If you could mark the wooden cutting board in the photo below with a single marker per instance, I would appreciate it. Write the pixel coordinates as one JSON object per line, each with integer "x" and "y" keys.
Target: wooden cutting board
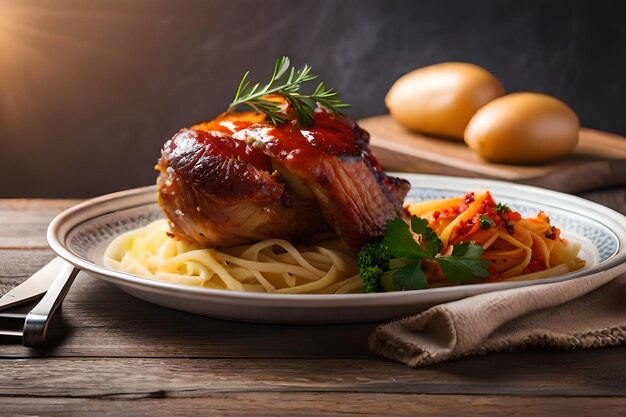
{"x": 599, "y": 160}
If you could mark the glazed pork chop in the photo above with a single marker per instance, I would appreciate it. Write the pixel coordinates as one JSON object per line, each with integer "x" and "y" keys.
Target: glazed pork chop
{"x": 237, "y": 179}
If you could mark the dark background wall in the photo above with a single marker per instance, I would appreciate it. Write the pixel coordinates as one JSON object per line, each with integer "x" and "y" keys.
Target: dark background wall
{"x": 90, "y": 90}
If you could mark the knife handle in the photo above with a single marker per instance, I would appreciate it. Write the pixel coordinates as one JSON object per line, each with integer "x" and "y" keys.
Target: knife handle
{"x": 36, "y": 323}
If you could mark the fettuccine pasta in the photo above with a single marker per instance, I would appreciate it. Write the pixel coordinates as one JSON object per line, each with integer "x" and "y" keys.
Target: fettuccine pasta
{"x": 272, "y": 266}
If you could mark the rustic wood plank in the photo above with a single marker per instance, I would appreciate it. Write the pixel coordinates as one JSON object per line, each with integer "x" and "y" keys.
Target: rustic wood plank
{"x": 222, "y": 339}
{"x": 110, "y": 377}
{"x": 24, "y": 222}
{"x": 101, "y": 321}
{"x": 17, "y": 265}
{"x": 316, "y": 404}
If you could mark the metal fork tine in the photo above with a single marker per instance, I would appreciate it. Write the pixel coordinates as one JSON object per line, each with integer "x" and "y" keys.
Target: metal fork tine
{"x": 12, "y": 324}
{"x": 32, "y": 327}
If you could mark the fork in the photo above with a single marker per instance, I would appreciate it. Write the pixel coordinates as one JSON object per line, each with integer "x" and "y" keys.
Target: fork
{"x": 33, "y": 327}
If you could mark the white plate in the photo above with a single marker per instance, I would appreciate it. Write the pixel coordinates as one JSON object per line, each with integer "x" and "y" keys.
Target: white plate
{"x": 81, "y": 233}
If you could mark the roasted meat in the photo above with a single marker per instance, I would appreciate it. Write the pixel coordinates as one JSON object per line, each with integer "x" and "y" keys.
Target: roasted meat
{"x": 237, "y": 179}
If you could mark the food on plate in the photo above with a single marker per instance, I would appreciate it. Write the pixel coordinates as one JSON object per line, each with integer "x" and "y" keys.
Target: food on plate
{"x": 523, "y": 128}
{"x": 459, "y": 240}
{"x": 463, "y": 240}
{"x": 441, "y": 99}
{"x": 294, "y": 169}
{"x": 271, "y": 265}
{"x": 288, "y": 198}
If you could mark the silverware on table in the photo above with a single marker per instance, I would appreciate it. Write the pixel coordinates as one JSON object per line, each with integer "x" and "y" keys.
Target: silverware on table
{"x": 54, "y": 280}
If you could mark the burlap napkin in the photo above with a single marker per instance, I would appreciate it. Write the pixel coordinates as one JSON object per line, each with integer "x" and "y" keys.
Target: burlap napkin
{"x": 576, "y": 314}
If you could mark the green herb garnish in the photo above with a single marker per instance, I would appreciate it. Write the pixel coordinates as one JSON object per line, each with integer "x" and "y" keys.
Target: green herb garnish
{"x": 286, "y": 82}
{"x": 502, "y": 208}
{"x": 486, "y": 222}
{"x": 397, "y": 262}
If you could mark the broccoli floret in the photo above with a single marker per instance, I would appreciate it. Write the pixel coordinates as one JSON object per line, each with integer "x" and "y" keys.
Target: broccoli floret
{"x": 373, "y": 260}
{"x": 370, "y": 275}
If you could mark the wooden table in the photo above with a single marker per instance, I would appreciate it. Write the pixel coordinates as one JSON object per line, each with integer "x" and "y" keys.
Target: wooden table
{"x": 117, "y": 355}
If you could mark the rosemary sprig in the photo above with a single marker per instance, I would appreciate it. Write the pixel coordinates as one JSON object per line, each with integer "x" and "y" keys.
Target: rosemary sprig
{"x": 286, "y": 82}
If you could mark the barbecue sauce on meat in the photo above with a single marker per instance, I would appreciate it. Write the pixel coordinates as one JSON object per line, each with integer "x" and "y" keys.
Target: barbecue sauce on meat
{"x": 328, "y": 135}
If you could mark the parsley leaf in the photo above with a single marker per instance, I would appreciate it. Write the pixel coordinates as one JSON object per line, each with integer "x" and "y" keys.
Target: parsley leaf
{"x": 410, "y": 277}
{"x": 470, "y": 250}
{"x": 400, "y": 241}
{"x": 420, "y": 226}
{"x": 464, "y": 263}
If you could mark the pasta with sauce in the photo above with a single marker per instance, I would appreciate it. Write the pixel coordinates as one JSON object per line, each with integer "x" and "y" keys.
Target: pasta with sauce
{"x": 517, "y": 248}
